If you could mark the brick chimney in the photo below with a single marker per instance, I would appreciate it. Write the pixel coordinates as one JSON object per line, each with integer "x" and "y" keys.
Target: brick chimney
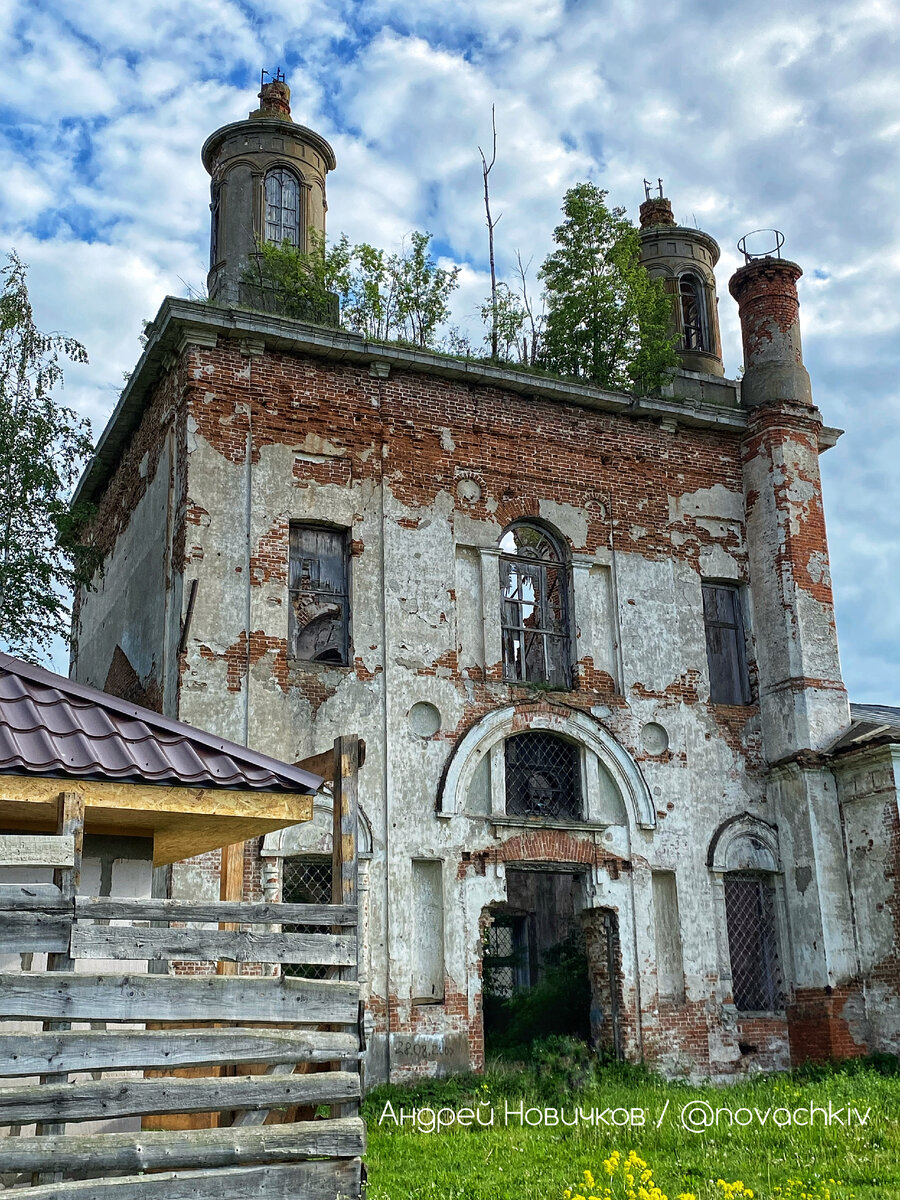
{"x": 766, "y": 292}
{"x": 274, "y": 101}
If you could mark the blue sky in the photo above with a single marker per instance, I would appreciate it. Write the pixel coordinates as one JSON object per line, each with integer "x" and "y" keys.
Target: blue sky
{"x": 754, "y": 113}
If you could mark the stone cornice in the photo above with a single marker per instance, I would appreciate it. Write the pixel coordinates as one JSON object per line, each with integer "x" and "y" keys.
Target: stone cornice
{"x": 180, "y": 323}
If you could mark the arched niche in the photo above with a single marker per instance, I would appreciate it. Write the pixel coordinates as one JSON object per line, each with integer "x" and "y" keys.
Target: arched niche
{"x": 313, "y": 837}
{"x": 744, "y": 843}
{"x": 616, "y": 790}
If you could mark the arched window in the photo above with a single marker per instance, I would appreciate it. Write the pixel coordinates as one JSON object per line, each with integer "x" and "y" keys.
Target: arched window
{"x": 282, "y": 207}
{"x": 690, "y": 293}
{"x": 215, "y": 208}
{"x": 543, "y": 777}
{"x": 535, "y": 607}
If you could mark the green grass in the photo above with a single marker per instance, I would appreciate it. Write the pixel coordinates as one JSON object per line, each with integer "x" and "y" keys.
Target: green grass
{"x": 499, "y": 1161}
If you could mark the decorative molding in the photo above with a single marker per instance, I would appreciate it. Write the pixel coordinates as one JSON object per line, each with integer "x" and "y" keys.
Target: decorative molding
{"x": 503, "y": 722}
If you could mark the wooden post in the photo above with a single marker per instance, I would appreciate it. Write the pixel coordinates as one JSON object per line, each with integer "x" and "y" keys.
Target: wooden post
{"x": 69, "y": 823}
{"x": 344, "y": 862}
{"x": 344, "y": 877}
{"x": 231, "y": 887}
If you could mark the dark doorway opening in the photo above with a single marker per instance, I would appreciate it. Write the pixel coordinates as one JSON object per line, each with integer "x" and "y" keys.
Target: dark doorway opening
{"x": 535, "y": 973}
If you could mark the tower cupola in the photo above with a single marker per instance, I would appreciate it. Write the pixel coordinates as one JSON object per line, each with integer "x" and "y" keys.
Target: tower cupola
{"x": 268, "y": 185}
{"x": 685, "y": 259}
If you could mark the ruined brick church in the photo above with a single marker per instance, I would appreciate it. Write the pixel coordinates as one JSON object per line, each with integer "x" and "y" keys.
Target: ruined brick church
{"x": 588, "y": 638}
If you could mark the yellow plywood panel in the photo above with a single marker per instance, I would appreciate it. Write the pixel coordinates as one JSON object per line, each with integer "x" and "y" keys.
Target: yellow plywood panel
{"x": 182, "y": 821}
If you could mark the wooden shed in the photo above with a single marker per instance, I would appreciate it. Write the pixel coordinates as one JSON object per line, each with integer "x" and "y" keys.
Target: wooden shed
{"x": 117, "y": 1004}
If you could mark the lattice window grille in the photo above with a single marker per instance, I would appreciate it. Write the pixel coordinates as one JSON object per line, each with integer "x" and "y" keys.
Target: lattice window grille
{"x": 543, "y": 777}
{"x": 756, "y": 978}
{"x": 306, "y": 879}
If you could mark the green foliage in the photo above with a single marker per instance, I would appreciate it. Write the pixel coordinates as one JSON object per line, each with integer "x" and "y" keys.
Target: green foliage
{"x": 558, "y": 1004}
{"x": 607, "y": 321}
{"x": 510, "y": 317}
{"x": 402, "y": 296}
{"x": 42, "y": 449}
{"x": 301, "y": 284}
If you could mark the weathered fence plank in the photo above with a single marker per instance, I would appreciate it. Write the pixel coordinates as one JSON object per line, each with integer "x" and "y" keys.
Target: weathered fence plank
{"x": 105, "y": 1098}
{"x": 33, "y": 897}
{"x": 124, "y": 1152}
{"x": 34, "y": 932}
{"x": 132, "y": 1049}
{"x": 37, "y": 850}
{"x": 79, "y": 997}
{"x": 105, "y": 908}
{"x": 205, "y": 945}
{"x": 297, "y": 1181}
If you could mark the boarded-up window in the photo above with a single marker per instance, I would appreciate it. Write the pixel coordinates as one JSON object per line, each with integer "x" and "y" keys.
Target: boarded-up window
{"x": 669, "y": 966}
{"x": 725, "y": 644}
{"x": 535, "y": 610}
{"x": 427, "y": 910}
{"x": 543, "y": 777}
{"x": 319, "y": 621}
{"x": 752, "y": 944}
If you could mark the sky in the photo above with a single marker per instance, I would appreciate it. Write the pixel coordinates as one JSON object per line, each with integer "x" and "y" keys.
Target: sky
{"x": 755, "y": 114}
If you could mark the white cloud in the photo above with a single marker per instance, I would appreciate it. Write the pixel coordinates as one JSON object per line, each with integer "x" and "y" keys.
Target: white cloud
{"x": 753, "y": 116}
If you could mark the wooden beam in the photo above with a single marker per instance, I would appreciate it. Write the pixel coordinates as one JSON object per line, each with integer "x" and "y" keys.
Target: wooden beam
{"x": 25, "y": 1054}
{"x": 69, "y": 827}
{"x": 231, "y": 888}
{"x": 36, "y": 850}
{"x": 311, "y": 1181}
{"x": 344, "y": 874}
{"x": 196, "y": 1148}
{"x": 248, "y": 913}
{"x": 78, "y": 997}
{"x": 36, "y": 932}
{"x": 229, "y": 945}
{"x": 90, "y": 1100}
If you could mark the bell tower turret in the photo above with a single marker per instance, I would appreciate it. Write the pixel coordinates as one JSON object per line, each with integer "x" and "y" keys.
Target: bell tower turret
{"x": 685, "y": 259}
{"x": 268, "y": 185}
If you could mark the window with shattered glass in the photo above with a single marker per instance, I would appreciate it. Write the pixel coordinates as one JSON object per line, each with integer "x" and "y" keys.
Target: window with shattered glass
{"x": 752, "y": 944}
{"x": 282, "y": 207}
{"x": 691, "y": 313}
{"x": 319, "y": 619}
{"x": 543, "y": 777}
{"x": 534, "y": 582}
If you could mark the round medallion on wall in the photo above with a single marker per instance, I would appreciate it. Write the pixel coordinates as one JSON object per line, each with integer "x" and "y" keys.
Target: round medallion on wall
{"x": 468, "y": 490}
{"x": 654, "y": 738}
{"x": 424, "y": 719}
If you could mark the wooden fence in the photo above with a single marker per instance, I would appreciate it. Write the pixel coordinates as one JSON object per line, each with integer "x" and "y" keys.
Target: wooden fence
{"x": 263, "y": 1053}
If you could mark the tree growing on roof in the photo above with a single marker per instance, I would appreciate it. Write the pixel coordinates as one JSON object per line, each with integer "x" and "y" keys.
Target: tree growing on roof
{"x": 608, "y": 322}
{"x": 42, "y": 449}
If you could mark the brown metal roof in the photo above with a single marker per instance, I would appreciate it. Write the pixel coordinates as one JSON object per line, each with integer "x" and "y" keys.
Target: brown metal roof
{"x": 50, "y": 725}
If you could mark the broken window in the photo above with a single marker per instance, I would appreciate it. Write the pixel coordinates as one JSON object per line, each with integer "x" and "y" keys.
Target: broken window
{"x": 691, "y": 296}
{"x": 319, "y": 621}
{"x": 305, "y": 879}
{"x": 728, "y": 682}
{"x": 282, "y": 207}
{"x": 752, "y": 944}
{"x": 543, "y": 777}
{"x": 505, "y": 955}
{"x": 535, "y": 617}
{"x": 215, "y": 206}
